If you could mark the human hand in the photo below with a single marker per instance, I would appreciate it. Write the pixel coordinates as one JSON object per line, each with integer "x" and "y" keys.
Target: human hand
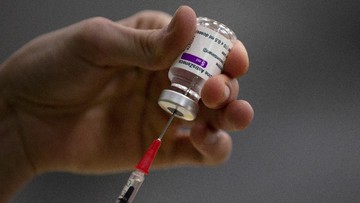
{"x": 84, "y": 98}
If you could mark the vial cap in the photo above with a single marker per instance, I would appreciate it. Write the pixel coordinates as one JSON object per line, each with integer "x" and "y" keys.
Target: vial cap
{"x": 185, "y": 107}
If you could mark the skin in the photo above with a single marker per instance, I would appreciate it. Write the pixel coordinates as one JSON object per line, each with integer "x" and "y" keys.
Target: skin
{"x": 83, "y": 99}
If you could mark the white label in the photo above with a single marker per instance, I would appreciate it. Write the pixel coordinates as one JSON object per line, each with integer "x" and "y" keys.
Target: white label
{"x": 205, "y": 55}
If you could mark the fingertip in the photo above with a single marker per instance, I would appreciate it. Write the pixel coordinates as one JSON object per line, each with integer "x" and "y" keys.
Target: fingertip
{"x": 181, "y": 28}
{"x": 218, "y": 91}
{"x": 175, "y": 37}
{"x": 214, "y": 92}
{"x": 187, "y": 14}
{"x": 238, "y": 115}
{"x": 237, "y": 62}
{"x": 215, "y": 145}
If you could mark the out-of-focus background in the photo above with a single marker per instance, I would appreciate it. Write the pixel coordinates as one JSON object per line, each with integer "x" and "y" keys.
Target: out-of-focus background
{"x": 303, "y": 82}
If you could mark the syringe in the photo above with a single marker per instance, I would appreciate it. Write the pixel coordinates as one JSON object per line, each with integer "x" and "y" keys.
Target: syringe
{"x": 137, "y": 177}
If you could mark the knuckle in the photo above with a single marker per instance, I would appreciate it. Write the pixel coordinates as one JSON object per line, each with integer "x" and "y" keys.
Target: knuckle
{"x": 150, "y": 47}
{"x": 146, "y": 46}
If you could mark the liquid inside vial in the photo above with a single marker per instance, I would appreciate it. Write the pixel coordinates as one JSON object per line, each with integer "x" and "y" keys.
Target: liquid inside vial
{"x": 186, "y": 82}
{"x": 203, "y": 58}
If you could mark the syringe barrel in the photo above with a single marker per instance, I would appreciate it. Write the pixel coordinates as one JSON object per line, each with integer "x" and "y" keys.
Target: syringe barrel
{"x": 132, "y": 186}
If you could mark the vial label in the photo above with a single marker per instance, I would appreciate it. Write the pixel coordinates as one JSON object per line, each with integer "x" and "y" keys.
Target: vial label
{"x": 206, "y": 54}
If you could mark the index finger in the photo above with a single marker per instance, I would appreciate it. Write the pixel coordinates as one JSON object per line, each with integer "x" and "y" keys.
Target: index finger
{"x": 237, "y": 62}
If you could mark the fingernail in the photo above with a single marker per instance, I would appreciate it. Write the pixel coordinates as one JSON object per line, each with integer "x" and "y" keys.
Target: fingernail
{"x": 211, "y": 138}
{"x": 226, "y": 92}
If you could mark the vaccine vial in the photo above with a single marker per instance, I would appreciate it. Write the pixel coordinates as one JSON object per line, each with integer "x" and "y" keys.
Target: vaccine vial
{"x": 203, "y": 58}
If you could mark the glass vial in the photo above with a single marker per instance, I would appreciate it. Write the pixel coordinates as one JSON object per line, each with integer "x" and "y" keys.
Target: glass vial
{"x": 203, "y": 58}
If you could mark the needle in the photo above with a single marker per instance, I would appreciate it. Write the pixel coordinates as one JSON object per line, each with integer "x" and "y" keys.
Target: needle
{"x": 167, "y": 125}
{"x": 137, "y": 177}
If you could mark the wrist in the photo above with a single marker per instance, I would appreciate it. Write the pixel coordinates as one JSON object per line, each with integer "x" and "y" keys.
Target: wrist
{"x": 15, "y": 170}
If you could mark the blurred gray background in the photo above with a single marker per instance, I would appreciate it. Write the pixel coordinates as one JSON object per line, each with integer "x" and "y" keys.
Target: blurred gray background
{"x": 304, "y": 84}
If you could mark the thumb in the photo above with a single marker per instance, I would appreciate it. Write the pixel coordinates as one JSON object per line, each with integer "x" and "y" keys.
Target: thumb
{"x": 107, "y": 43}
{"x": 178, "y": 34}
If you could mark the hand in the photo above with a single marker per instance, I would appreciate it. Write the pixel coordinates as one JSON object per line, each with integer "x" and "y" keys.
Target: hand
{"x": 84, "y": 98}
